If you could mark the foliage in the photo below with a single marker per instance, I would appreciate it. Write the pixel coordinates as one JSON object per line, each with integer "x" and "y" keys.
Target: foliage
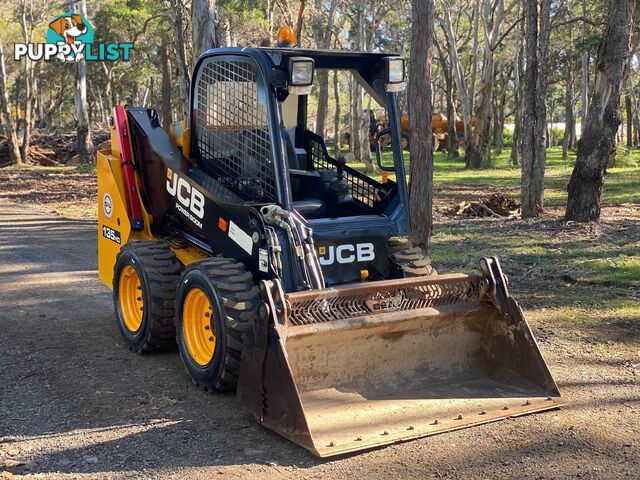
{"x": 507, "y": 138}
{"x": 557, "y": 136}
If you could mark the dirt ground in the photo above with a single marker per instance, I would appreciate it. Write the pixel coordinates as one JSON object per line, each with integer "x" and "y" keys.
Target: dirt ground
{"x": 74, "y": 403}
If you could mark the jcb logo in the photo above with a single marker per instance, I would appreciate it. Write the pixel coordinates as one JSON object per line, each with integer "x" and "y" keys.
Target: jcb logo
{"x": 361, "y": 252}
{"x": 188, "y": 197}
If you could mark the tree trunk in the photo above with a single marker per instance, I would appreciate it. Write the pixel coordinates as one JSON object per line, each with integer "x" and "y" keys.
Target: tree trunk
{"x": 336, "y": 113}
{"x": 629, "y": 113}
{"x": 38, "y": 107}
{"x": 603, "y": 117}
{"x": 165, "y": 87}
{"x": 474, "y": 53}
{"x": 498, "y": 122}
{"x": 28, "y": 90}
{"x": 356, "y": 115}
{"x": 299, "y": 21}
{"x": 421, "y": 191}
{"x": 477, "y": 155}
{"x": 447, "y": 73}
{"x": 323, "y": 99}
{"x": 518, "y": 90}
{"x": 569, "y": 114}
{"x": 180, "y": 57}
{"x": 360, "y": 120}
{"x": 5, "y": 114}
{"x": 534, "y": 107}
{"x": 83, "y": 132}
{"x": 636, "y": 121}
{"x": 465, "y": 100}
{"x": 551, "y": 139}
{"x": 322, "y": 34}
{"x": 584, "y": 57}
{"x": 452, "y": 133}
{"x": 203, "y": 27}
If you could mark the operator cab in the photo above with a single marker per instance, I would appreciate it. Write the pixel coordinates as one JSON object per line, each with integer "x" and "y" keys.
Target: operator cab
{"x": 252, "y": 131}
{"x": 323, "y": 185}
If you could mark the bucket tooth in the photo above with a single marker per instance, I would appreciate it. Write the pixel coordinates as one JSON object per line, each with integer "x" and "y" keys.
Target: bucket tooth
{"x": 358, "y": 366}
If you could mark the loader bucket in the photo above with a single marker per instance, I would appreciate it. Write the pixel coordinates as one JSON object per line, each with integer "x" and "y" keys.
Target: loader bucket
{"x": 350, "y": 368}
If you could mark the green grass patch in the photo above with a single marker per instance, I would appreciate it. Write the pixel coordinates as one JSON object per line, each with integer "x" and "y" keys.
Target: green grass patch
{"x": 622, "y": 183}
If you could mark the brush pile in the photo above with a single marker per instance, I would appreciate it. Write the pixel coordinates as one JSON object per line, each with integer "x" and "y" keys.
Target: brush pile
{"x": 50, "y": 148}
{"x": 496, "y": 205}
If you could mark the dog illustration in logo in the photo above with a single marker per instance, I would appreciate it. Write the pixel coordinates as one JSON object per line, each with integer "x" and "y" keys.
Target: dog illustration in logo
{"x": 69, "y": 27}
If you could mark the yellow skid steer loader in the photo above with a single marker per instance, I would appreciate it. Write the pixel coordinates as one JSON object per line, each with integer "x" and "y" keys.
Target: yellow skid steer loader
{"x": 283, "y": 272}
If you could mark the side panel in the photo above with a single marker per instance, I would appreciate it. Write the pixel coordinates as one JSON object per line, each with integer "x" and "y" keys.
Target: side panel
{"x": 114, "y": 227}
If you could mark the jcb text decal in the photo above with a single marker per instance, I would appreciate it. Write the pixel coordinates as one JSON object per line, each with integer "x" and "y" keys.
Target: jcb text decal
{"x": 361, "y": 252}
{"x": 190, "y": 200}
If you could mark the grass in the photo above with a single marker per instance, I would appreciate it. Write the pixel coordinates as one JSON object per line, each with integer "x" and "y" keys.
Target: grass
{"x": 583, "y": 281}
{"x": 622, "y": 183}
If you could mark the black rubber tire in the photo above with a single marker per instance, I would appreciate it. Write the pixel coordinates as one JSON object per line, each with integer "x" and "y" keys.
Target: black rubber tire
{"x": 412, "y": 260}
{"x": 234, "y": 298}
{"x": 159, "y": 272}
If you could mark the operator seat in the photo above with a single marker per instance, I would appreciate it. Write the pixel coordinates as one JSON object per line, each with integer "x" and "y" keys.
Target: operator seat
{"x": 307, "y": 207}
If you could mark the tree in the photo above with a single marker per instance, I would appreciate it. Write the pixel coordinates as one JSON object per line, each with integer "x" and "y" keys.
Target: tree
{"x": 5, "y": 114}
{"x": 628, "y": 106}
{"x": 568, "y": 141}
{"x": 447, "y": 73}
{"x": 461, "y": 84}
{"x": 181, "y": 56}
{"x": 27, "y": 35}
{"x": 165, "y": 89}
{"x": 322, "y": 35}
{"x": 203, "y": 26}
{"x": 83, "y": 131}
{"x": 518, "y": 89}
{"x": 300, "y": 20}
{"x": 493, "y": 15}
{"x": 421, "y": 191}
{"x": 534, "y": 107}
{"x": 603, "y": 116}
{"x": 584, "y": 58}
{"x": 359, "y": 121}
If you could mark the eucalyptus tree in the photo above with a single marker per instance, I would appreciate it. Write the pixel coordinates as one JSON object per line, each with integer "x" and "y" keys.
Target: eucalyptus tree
{"x": 534, "y": 107}
{"x": 445, "y": 20}
{"x": 5, "y": 115}
{"x": 421, "y": 194}
{"x": 603, "y": 117}
{"x": 493, "y": 15}
{"x": 83, "y": 129}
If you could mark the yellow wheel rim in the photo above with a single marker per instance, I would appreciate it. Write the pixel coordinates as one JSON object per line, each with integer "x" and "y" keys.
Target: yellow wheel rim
{"x": 198, "y": 327}
{"x": 130, "y": 298}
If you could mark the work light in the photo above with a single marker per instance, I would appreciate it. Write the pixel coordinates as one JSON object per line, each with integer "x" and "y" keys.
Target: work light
{"x": 395, "y": 80}
{"x": 300, "y": 75}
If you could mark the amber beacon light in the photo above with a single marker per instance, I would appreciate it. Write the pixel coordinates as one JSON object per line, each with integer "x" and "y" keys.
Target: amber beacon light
{"x": 286, "y": 37}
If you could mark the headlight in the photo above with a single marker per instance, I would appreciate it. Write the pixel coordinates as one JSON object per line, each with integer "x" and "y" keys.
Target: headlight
{"x": 300, "y": 71}
{"x": 395, "y": 80}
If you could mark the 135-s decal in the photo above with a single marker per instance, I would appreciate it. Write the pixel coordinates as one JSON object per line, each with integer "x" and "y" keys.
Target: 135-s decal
{"x": 111, "y": 234}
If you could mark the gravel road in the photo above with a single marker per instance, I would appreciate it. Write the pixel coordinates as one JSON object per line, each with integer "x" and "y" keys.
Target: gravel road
{"x": 74, "y": 403}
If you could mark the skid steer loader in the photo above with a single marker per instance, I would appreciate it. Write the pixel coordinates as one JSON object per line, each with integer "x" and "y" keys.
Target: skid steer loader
{"x": 282, "y": 271}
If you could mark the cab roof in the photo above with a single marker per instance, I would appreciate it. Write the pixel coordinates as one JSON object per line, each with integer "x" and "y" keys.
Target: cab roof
{"x": 327, "y": 58}
{"x": 367, "y": 67}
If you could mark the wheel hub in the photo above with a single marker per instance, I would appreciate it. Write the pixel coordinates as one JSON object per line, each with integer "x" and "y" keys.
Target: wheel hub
{"x": 198, "y": 327}
{"x": 130, "y": 298}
